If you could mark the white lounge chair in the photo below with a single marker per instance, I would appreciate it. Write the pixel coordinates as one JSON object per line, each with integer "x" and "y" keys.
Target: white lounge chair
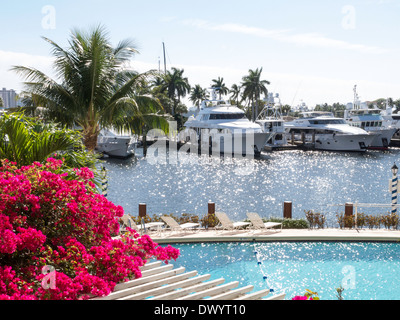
{"x": 258, "y": 224}
{"x": 175, "y": 226}
{"x": 227, "y": 224}
{"x": 127, "y": 221}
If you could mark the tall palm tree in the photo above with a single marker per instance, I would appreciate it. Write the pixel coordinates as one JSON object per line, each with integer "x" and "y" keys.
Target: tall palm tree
{"x": 253, "y": 87}
{"x": 235, "y": 93}
{"x": 95, "y": 89}
{"x": 219, "y": 86}
{"x": 198, "y": 94}
{"x": 175, "y": 85}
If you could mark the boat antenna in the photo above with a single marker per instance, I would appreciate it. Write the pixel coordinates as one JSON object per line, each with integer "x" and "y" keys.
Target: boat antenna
{"x": 297, "y": 90}
{"x": 356, "y": 97}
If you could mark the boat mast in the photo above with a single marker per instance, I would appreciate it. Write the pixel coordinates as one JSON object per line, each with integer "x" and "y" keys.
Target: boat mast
{"x": 165, "y": 61}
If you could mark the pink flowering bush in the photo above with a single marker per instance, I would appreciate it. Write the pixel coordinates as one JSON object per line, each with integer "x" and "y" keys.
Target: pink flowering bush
{"x": 49, "y": 217}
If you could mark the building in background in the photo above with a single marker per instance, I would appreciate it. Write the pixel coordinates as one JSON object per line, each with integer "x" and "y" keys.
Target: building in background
{"x": 9, "y": 98}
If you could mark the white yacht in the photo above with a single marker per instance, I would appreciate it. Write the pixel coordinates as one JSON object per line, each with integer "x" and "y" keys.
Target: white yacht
{"x": 393, "y": 119}
{"x": 371, "y": 121}
{"x": 219, "y": 121}
{"x": 114, "y": 145}
{"x": 325, "y": 132}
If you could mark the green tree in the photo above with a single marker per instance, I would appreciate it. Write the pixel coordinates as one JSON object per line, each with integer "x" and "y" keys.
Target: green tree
{"x": 95, "y": 90}
{"x": 175, "y": 85}
{"x": 220, "y": 86}
{"x": 197, "y": 95}
{"x": 24, "y": 140}
{"x": 253, "y": 87}
{"x": 286, "y": 109}
{"x": 235, "y": 93}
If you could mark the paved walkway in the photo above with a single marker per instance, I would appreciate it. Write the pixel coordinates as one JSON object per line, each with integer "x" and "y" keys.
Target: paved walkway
{"x": 278, "y": 235}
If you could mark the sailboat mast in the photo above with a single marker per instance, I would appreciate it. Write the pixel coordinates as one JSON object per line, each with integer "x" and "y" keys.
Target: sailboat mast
{"x": 165, "y": 60}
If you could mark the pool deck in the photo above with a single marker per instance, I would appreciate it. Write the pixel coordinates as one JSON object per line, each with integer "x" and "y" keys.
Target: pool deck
{"x": 167, "y": 237}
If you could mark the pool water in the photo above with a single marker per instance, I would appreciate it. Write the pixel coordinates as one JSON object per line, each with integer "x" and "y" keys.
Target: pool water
{"x": 366, "y": 270}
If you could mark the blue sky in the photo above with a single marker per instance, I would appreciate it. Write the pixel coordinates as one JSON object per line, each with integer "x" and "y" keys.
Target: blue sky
{"x": 311, "y": 51}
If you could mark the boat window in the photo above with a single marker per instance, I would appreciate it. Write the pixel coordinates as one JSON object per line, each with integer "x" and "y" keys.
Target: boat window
{"x": 227, "y": 116}
{"x": 328, "y": 121}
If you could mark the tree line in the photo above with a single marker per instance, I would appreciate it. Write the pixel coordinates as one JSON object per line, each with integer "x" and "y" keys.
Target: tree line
{"x": 95, "y": 90}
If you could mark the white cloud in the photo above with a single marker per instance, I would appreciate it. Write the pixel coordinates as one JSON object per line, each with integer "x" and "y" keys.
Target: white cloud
{"x": 8, "y": 59}
{"x": 284, "y": 35}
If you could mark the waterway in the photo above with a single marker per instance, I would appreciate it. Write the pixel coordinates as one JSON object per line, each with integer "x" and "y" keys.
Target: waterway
{"x": 311, "y": 180}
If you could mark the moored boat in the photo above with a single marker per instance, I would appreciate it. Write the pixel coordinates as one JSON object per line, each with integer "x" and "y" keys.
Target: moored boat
{"x": 114, "y": 145}
{"x": 323, "y": 131}
{"x": 225, "y": 129}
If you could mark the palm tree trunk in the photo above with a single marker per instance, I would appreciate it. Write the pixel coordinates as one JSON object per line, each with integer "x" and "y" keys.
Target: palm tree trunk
{"x": 144, "y": 141}
{"x": 252, "y": 110}
{"x": 90, "y": 136}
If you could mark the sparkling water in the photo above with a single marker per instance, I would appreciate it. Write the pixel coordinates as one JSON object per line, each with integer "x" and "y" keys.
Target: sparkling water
{"x": 365, "y": 270}
{"x": 312, "y": 180}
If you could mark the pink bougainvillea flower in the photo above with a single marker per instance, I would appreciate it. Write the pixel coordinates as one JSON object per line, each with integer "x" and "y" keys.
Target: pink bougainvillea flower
{"x": 53, "y": 218}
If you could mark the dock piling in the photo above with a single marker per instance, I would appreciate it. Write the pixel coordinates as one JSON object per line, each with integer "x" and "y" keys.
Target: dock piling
{"x": 211, "y": 208}
{"x": 287, "y": 210}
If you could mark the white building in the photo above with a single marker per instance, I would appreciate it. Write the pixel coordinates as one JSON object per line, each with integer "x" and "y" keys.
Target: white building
{"x": 9, "y": 98}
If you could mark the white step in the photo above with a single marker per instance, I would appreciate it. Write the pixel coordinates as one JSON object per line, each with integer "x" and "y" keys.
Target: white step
{"x": 166, "y": 289}
{"x": 186, "y": 291}
{"x": 210, "y": 292}
{"x": 158, "y": 283}
{"x": 232, "y": 294}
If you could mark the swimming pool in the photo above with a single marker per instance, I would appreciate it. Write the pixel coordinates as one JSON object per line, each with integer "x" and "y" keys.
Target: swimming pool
{"x": 366, "y": 270}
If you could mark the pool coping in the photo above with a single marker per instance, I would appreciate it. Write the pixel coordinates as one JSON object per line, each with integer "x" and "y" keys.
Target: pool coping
{"x": 363, "y": 235}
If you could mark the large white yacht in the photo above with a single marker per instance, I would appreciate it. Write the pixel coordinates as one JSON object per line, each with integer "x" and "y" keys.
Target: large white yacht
{"x": 218, "y": 122}
{"x": 371, "y": 121}
{"x": 325, "y": 132}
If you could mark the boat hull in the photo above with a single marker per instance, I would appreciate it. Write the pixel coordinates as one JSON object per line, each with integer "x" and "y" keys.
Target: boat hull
{"x": 382, "y": 138}
{"x": 118, "y": 147}
{"x": 335, "y": 142}
{"x": 246, "y": 143}
{"x": 339, "y": 142}
{"x": 243, "y": 144}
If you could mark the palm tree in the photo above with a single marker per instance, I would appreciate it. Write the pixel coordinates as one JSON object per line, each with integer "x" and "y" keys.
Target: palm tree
{"x": 235, "y": 93}
{"x": 175, "y": 86}
{"x": 95, "y": 89}
{"x": 220, "y": 86}
{"x": 198, "y": 94}
{"x": 24, "y": 141}
{"x": 253, "y": 87}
